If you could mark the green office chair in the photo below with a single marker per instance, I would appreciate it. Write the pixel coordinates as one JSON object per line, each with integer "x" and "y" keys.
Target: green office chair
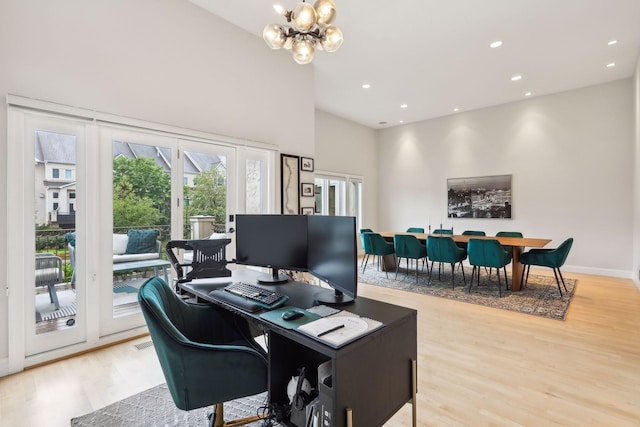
{"x": 379, "y": 248}
{"x": 552, "y": 258}
{"x": 366, "y": 247}
{"x": 408, "y": 247}
{"x": 206, "y": 353}
{"x": 488, "y": 253}
{"x": 444, "y": 249}
{"x": 415, "y": 230}
{"x": 473, "y": 233}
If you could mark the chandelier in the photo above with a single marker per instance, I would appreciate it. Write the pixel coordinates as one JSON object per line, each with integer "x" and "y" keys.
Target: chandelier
{"x": 310, "y": 29}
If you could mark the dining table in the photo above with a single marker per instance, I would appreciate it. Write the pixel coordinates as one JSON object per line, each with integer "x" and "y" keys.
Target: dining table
{"x": 517, "y": 245}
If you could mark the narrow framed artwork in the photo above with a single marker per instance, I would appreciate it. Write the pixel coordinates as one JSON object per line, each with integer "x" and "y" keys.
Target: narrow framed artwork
{"x": 289, "y": 182}
{"x": 307, "y": 189}
{"x": 307, "y": 210}
{"x": 306, "y": 164}
{"x": 479, "y": 197}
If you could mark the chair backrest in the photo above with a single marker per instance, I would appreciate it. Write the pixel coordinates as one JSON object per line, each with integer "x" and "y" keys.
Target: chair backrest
{"x": 509, "y": 234}
{"x": 364, "y": 239}
{"x": 444, "y": 249}
{"x": 415, "y": 230}
{"x": 473, "y": 233}
{"x": 562, "y": 252}
{"x": 407, "y": 246}
{"x": 199, "y": 372}
{"x": 442, "y": 231}
{"x": 208, "y": 258}
{"x": 487, "y": 253}
{"x": 379, "y": 246}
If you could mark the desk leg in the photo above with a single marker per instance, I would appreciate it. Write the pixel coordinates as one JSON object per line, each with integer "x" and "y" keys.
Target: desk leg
{"x": 349, "y": 417}
{"x": 414, "y": 390}
{"x": 516, "y": 268}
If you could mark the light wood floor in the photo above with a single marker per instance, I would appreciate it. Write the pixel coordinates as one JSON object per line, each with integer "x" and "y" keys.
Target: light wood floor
{"x": 477, "y": 366}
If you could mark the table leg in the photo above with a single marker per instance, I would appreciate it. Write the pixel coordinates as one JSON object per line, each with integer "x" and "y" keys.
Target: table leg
{"x": 389, "y": 263}
{"x": 516, "y": 268}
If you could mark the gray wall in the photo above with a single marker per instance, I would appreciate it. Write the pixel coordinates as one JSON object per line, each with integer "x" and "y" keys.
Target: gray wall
{"x": 167, "y": 61}
{"x": 571, "y": 156}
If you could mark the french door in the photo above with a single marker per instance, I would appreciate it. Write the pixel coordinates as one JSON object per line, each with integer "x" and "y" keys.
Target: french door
{"x": 49, "y": 204}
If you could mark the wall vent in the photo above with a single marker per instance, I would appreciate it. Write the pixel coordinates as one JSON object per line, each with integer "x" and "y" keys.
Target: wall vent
{"x": 144, "y": 345}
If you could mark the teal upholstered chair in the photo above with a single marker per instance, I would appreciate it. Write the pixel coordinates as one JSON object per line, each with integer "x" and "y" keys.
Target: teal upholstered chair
{"x": 207, "y": 354}
{"x": 444, "y": 249}
{"x": 379, "y": 248}
{"x": 442, "y": 231}
{"x": 415, "y": 230}
{"x": 488, "y": 253}
{"x": 366, "y": 247}
{"x": 473, "y": 233}
{"x": 409, "y": 247}
{"x": 551, "y": 258}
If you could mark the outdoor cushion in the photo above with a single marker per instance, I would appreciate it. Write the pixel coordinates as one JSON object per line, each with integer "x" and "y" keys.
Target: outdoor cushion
{"x": 120, "y": 242}
{"x": 142, "y": 241}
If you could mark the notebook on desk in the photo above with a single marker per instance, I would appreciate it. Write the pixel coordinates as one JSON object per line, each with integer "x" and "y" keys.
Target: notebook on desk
{"x": 340, "y": 329}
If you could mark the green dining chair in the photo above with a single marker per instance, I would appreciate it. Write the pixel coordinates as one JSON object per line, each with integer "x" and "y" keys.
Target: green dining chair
{"x": 443, "y": 249}
{"x": 379, "y": 248}
{"x": 473, "y": 233}
{"x": 488, "y": 253}
{"x": 442, "y": 231}
{"x": 409, "y": 247}
{"x": 207, "y": 354}
{"x": 551, "y": 258}
{"x": 415, "y": 230}
{"x": 366, "y": 247}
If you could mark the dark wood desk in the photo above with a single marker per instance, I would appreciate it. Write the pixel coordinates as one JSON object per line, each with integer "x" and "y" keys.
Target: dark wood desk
{"x": 372, "y": 377}
{"x": 517, "y": 243}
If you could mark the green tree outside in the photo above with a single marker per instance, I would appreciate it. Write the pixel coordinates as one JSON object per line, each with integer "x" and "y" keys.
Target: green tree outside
{"x": 208, "y": 195}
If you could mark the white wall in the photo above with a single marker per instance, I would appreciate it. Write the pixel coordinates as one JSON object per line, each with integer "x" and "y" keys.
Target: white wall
{"x": 572, "y": 160}
{"x": 346, "y": 147}
{"x": 168, "y": 62}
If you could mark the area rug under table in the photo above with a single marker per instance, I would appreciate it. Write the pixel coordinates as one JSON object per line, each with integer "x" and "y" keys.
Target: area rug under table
{"x": 540, "y": 297}
{"x": 155, "y": 408}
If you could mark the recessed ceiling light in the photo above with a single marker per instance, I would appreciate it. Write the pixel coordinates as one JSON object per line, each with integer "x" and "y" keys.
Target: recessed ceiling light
{"x": 401, "y": 121}
{"x": 495, "y": 44}
{"x": 456, "y": 109}
{"x": 404, "y": 106}
{"x": 382, "y": 123}
{"x": 611, "y": 64}
{"x": 366, "y": 86}
{"x": 516, "y": 78}
{"x": 528, "y": 94}
{"x": 612, "y": 42}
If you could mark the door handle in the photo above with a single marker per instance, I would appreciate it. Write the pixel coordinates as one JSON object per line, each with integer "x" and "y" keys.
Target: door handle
{"x": 232, "y": 230}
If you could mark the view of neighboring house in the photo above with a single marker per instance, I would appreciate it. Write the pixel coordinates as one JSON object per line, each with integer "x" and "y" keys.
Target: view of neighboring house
{"x": 55, "y": 177}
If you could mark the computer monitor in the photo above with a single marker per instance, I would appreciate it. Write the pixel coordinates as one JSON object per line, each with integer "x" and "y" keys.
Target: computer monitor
{"x": 332, "y": 256}
{"x": 273, "y": 241}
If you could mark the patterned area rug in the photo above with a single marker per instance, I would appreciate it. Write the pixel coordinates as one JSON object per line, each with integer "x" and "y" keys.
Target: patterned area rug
{"x": 540, "y": 297}
{"x": 155, "y": 408}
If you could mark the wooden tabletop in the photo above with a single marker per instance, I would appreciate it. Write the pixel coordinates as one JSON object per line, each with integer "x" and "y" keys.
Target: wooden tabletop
{"x": 509, "y": 241}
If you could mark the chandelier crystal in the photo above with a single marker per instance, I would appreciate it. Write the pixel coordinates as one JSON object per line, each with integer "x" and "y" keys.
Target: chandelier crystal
{"x": 310, "y": 29}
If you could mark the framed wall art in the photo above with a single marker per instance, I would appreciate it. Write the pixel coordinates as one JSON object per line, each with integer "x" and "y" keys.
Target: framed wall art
{"x": 307, "y": 189}
{"x": 290, "y": 183}
{"x": 479, "y": 197}
{"x": 306, "y": 164}
{"x": 307, "y": 210}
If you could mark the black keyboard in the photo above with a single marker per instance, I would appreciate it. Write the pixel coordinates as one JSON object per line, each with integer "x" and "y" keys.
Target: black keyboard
{"x": 263, "y": 297}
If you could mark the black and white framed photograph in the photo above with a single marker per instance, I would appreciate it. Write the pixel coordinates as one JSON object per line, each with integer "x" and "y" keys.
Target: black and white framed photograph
{"x": 307, "y": 210}
{"x": 289, "y": 181}
{"x": 307, "y": 189}
{"x": 479, "y": 197}
{"x": 306, "y": 164}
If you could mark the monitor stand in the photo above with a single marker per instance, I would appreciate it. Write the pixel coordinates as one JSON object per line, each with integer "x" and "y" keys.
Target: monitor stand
{"x": 333, "y": 298}
{"x": 274, "y": 278}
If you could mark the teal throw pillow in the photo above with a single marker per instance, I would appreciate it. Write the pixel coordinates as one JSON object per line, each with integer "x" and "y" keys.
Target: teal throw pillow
{"x": 142, "y": 241}
{"x": 70, "y": 238}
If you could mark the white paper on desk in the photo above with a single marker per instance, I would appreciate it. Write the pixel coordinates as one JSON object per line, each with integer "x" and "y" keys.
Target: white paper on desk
{"x": 351, "y": 327}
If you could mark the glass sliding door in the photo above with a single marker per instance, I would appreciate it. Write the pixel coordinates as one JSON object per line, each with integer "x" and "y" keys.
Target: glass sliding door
{"x": 339, "y": 195}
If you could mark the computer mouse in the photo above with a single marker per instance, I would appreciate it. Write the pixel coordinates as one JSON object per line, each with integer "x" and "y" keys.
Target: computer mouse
{"x": 292, "y": 314}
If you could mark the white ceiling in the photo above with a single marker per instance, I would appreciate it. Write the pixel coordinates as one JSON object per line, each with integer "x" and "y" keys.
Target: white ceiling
{"x": 434, "y": 55}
